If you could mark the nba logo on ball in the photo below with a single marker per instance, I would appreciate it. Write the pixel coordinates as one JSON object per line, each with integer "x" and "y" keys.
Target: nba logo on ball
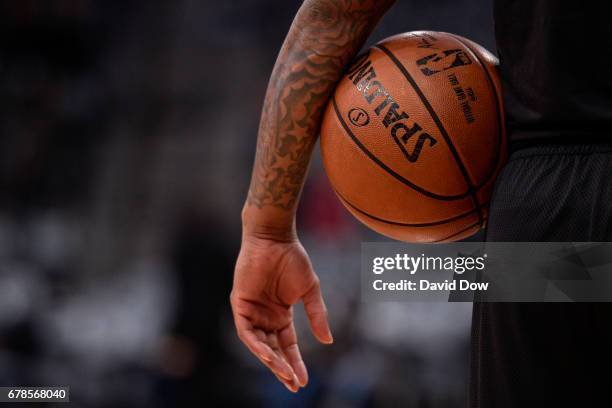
{"x": 413, "y": 140}
{"x": 442, "y": 61}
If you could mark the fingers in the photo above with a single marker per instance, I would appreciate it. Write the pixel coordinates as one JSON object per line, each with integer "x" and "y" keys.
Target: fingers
{"x": 273, "y": 341}
{"x": 287, "y": 340}
{"x": 266, "y": 348}
{"x": 317, "y": 314}
{"x": 271, "y": 358}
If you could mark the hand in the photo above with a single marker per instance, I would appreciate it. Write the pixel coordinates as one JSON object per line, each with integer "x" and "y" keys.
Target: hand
{"x": 271, "y": 277}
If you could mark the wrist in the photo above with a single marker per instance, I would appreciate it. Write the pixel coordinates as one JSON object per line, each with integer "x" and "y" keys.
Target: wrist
{"x": 268, "y": 223}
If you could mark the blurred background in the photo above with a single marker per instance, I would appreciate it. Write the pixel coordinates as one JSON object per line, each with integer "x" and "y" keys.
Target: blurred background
{"x": 127, "y": 134}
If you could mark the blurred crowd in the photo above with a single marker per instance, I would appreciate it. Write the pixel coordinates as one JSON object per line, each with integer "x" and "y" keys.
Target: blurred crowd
{"x": 127, "y": 134}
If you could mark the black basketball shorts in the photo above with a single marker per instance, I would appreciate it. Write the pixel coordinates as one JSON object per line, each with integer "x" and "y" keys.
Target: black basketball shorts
{"x": 547, "y": 354}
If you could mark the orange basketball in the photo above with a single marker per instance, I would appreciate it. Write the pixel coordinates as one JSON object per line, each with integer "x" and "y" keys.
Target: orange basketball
{"x": 413, "y": 138}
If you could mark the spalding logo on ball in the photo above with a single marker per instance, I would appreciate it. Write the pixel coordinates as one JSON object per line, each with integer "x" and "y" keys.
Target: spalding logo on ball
{"x": 413, "y": 138}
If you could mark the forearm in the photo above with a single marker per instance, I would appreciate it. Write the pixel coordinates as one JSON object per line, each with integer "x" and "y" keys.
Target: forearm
{"x": 323, "y": 38}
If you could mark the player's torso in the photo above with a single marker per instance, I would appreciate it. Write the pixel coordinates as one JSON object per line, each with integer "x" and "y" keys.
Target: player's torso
{"x": 556, "y": 64}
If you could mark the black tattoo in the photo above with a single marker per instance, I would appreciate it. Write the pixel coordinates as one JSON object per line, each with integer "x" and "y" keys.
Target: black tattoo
{"x": 325, "y": 35}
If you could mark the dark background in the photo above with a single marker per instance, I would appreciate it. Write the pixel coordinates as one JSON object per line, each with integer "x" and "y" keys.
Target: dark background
{"x": 127, "y": 133}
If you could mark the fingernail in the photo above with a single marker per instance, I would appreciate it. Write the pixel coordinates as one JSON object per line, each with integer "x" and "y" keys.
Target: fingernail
{"x": 303, "y": 383}
{"x": 290, "y": 389}
{"x": 265, "y": 358}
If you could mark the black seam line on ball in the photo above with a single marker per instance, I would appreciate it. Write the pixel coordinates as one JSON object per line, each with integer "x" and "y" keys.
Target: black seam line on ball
{"x": 500, "y": 117}
{"x": 388, "y": 169}
{"x": 402, "y": 224}
{"x": 436, "y": 119}
{"x": 458, "y": 232}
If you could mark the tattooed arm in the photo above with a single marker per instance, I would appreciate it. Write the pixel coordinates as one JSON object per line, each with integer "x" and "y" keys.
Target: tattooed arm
{"x": 323, "y": 38}
{"x": 273, "y": 271}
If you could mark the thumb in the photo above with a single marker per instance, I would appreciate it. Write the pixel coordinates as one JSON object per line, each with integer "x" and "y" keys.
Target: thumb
{"x": 317, "y": 314}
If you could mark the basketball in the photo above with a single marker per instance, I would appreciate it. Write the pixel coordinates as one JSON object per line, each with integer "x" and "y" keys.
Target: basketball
{"x": 413, "y": 138}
